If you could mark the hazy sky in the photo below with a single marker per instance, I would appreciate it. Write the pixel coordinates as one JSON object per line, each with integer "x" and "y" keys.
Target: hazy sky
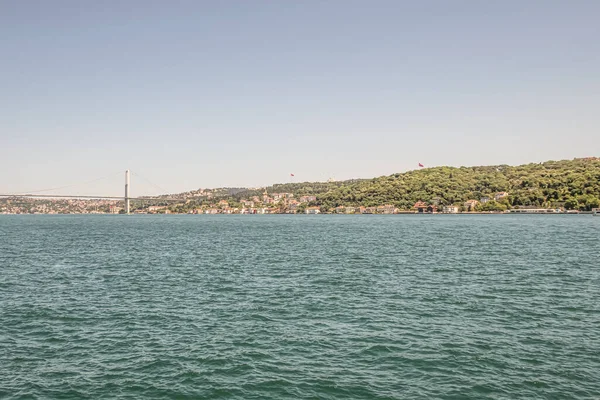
{"x": 242, "y": 93}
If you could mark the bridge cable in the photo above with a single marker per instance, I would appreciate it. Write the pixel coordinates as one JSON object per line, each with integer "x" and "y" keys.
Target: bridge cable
{"x": 164, "y": 191}
{"x": 68, "y": 186}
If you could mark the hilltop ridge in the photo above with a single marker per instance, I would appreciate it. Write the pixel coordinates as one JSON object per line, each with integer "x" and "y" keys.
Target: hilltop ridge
{"x": 572, "y": 184}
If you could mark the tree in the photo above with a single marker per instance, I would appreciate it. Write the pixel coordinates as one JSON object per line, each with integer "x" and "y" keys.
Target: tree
{"x": 571, "y": 204}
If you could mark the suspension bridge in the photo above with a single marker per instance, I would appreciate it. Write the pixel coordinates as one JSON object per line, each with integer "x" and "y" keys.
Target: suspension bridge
{"x": 126, "y": 198}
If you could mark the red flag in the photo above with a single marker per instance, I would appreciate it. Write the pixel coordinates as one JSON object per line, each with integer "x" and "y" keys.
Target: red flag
{"x": 291, "y": 174}
{"x": 421, "y": 165}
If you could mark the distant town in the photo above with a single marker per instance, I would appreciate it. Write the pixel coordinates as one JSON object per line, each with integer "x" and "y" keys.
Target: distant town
{"x": 552, "y": 187}
{"x": 275, "y": 203}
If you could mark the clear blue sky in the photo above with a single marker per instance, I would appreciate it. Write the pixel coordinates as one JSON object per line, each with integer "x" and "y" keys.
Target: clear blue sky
{"x": 242, "y": 93}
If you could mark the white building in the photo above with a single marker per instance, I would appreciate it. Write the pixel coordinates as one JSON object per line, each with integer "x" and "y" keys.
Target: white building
{"x": 451, "y": 209}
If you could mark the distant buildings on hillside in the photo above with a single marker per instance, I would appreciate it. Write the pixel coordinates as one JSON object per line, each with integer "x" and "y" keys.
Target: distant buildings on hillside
{"x": 276, "y": 203}
{"x": 501, "y": 195}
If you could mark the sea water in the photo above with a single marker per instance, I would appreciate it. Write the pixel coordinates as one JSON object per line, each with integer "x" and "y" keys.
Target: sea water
{"x": 288, "y": 307}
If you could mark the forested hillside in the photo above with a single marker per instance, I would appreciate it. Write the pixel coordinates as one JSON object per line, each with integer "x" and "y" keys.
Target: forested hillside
{"x": 298, "y": 189}
{"x": 574, "y": 184}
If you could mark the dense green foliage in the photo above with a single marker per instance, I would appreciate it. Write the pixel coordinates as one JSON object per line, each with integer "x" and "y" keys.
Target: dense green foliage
{"x": 574, "y": 184}
{"x": 298, "y": 189}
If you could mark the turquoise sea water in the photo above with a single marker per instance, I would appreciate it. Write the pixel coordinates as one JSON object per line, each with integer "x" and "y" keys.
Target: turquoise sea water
{"x": 286, "y": 307}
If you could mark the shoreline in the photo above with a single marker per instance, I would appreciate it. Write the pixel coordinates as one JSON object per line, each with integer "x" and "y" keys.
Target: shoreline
{"x": 399, "y": 213}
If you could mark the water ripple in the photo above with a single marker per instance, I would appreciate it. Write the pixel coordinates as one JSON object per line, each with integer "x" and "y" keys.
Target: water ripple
{"x": 286, "y": 307}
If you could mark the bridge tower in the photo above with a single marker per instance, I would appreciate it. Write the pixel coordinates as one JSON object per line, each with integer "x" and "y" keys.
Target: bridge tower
{"x": 127, "y": 182}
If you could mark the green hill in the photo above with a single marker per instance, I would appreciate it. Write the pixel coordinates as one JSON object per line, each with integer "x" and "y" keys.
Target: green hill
{"x": 574, "y": 184}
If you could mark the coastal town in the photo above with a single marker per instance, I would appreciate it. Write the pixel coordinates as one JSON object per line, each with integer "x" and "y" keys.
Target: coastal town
{"x": 551, "y": 187}
{"x": 275, "y": 203}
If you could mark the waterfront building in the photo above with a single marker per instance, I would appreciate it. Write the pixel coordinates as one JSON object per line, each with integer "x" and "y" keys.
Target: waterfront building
{"x": 451, "y": 209}
{"x": 386, "y": 209}
{"x": 422, "y": 207}
{"x": 470, "y": 205}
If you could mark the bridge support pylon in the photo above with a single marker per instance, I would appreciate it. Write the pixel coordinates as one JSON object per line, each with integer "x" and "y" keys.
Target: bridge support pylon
{"x": 127, "y": 182}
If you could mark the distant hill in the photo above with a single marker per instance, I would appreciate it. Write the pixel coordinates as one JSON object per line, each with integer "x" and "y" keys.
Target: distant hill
{"x": 573, "y": 184}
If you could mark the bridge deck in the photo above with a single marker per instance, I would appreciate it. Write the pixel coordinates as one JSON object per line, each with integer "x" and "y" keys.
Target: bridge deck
{"x": 58, "y": 196}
